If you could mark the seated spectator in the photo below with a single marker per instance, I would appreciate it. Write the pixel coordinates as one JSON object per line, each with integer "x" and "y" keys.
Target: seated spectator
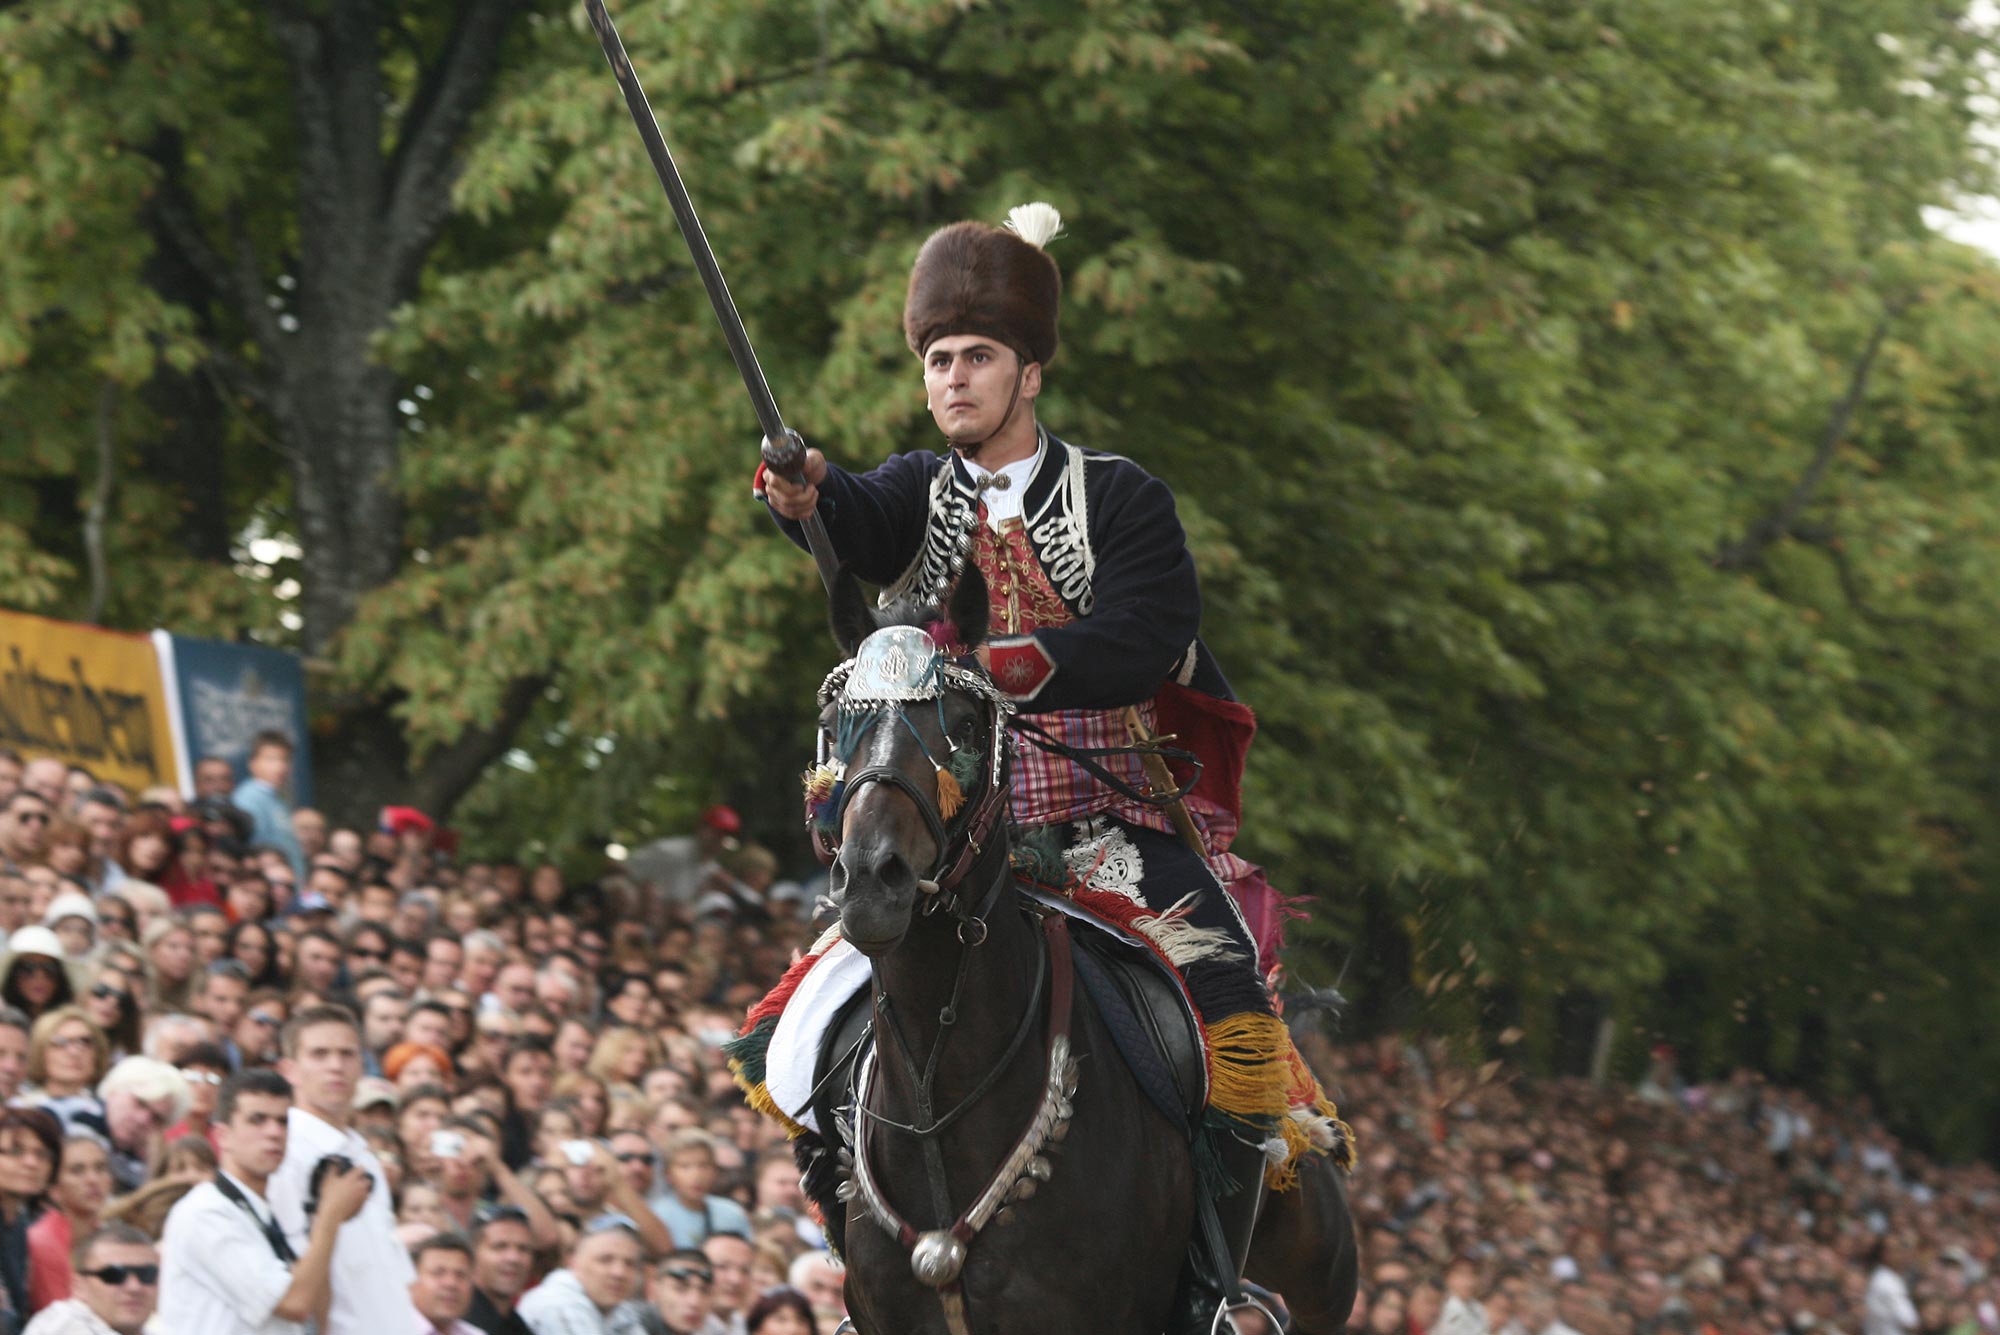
{"x": 34, "y": 980}
{"x": 679, "y": 1288}
{"x": 689, "y": 1207}
{"x": 503, "y": 1260}
{"x": 780, "y": 1312}
{"x": 442, "y": 1290}
{"x": 78, "y": 1193}
{"x": 117, "y": 1286}
{"x": 592, "y": 1294}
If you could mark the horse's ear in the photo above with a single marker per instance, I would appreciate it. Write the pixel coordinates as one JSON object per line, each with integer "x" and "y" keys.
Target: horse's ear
{"x": 848, "y": 612}
{"x": 969, "y": 609}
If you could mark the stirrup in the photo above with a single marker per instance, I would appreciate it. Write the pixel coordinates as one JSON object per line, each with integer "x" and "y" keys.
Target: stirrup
{"x": 847, "y": 1327}
{"x": 1225, "y": 1310}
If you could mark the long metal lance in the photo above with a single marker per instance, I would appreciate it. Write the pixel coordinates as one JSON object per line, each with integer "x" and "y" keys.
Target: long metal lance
{"x": 784, "y": 451}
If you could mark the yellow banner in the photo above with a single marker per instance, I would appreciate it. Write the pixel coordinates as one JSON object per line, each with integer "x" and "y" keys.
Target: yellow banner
{"x": 87, "y": 696}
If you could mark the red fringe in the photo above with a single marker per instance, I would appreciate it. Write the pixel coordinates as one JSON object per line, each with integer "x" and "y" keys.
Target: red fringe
{"x": 774, "y": 1000}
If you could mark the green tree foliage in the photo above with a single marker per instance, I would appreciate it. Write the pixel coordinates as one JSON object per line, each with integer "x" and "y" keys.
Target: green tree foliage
{"x": 1588, "y": 447}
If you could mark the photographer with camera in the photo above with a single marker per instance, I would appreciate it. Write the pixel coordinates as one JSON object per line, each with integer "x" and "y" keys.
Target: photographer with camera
{"x": 227, "y": 1267}
{"x": 372, "y": 1272}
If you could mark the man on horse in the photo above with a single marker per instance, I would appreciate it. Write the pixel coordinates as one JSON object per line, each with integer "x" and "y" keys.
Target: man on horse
{"x": 1095, "y": 617}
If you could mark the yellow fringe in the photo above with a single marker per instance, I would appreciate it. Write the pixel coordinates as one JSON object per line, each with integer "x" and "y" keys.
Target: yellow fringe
{"x": 950, "y": 796}
{"x": 1256, "y": 1074}
{"x": 1248, "y": 1076}
{"x": 760, "y": 1098}
{"x": 819, "y": 781}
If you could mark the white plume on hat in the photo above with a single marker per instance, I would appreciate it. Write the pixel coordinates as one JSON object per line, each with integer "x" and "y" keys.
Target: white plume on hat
{"x": 1036, "y": 223}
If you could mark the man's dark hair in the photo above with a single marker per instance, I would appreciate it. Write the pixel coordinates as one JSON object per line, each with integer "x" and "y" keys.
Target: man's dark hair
{"x": 189, "y": 914}
{"x": 524, "y": 1045}
{"x": 128, "y": 1234}
{"x": 102, "y": 797}
{"x": 443, "y": 934}
{"x": 208, "y": 1056}
{"x": 320, "y": 934}
{"x": 437, "y": 1007}
{"x": 256, "y": 1080}
{"x": 402, "y": 945}
{"x": 313, "y": 1016}
{"x": 266, "y": 739}
{"x": 9, "y": 753}
{"x": 12, "y": 1017}
{"x": 375, "y": 883}
{"x": 226, "y": 968}
{"x": 441, "y": 1242}
{"x": 361, "y": 929}
{"x": 19, "y": 794}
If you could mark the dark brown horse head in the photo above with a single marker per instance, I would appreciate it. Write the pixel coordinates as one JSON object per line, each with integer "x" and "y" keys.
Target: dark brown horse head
{"x": 910, "y": 734}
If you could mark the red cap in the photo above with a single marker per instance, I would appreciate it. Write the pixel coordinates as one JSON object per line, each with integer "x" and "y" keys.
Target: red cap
{"x": 722, "y": 819}
{"x": 401, "y": 820}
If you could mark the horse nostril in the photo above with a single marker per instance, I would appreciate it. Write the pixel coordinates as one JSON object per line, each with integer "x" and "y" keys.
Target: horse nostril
{"x": 836, "y": 883}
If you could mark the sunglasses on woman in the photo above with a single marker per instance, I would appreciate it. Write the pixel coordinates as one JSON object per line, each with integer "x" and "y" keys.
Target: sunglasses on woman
{"x": 105, "y": 991}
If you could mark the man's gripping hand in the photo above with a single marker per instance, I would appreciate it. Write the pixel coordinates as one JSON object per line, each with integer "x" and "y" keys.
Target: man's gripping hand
{"x": 343, "y": 1194}
{"x": 791, "y": 499}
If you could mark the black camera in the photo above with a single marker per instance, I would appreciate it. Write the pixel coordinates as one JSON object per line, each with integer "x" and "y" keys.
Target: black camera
{"x": 332, "y": 1163}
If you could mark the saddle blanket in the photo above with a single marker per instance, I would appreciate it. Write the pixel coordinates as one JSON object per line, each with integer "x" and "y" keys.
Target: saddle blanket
{"x": 829, "y": 976}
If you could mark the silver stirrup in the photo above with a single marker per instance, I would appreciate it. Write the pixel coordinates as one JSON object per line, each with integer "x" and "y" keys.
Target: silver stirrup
{"x": 1222, "y": 1320}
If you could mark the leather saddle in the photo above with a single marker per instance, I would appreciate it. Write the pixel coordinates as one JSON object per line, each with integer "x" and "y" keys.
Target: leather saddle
{"x": 1139, "y": 1004}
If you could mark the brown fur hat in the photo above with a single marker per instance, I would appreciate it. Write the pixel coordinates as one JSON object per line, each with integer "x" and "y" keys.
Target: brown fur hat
{"x": 974, "y": 278}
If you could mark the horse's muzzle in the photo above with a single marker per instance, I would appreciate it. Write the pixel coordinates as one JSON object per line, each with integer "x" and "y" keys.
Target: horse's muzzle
{"x": 875, "y": 889}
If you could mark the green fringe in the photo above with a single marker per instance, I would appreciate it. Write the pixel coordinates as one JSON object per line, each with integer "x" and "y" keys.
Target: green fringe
{"x": 965, "y": 766}
{"x": 1038, "y": 857}
{"x": 748, "y": 1051}
{"x": 1209, "y": 1165}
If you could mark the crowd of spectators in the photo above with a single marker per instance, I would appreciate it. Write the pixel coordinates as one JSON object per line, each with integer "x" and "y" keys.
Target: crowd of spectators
{"x": 228, "y": 1028}
{"x": 1495, "y": 1206}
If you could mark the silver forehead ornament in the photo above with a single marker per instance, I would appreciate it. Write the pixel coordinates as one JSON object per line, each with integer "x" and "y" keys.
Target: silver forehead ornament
{"x": 896, "y": 663}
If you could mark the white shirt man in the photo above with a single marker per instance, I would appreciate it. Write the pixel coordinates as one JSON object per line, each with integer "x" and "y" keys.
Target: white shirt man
{"x": 227, "y": 1266}
{"x": 372, "y": 1273}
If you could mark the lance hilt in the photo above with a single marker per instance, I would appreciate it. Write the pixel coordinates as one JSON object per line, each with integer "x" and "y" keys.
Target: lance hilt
{"x": 790, "y": 449}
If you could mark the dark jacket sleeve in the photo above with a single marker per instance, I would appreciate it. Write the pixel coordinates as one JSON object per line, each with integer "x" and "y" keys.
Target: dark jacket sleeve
{"x": 1148, "y": 601}
{"x": 875, "y": 520}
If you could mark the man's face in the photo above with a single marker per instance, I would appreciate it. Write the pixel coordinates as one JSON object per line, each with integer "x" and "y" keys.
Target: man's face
{"x": 319, "y": 964}
{"x": 428, "y": 1026}
{"x": 214, "y": 778}
{"x": 256, "y": 1033}
{"x": 970, "y": 381}
{"x": 377, "y": 904}
{"x": 443, "y": 1289}
{"x": 384, "y": 1021}
{"x": 528, "y": 1076}
{"x": 103, "y": 822}
{"x": 515, "y": 987}
{"x": 680, "y": 1290}
{"x": 125, "y": 1305}
{"x": 326, "y": 1067}
{"x": 13, "y": 1060}
{"x": 505, "y": 1256}
{"x": 48, "y": 779}
{"x": 272, "y": 764}
{"x": 635, "y": 1160}
{"x": 310, "y": 829}
{"x": 255, "y": 1136}
{"x": 134, "y": 1120}
{"x": 729, "y": 1256}
{"x": 25, "y": 827}
{"x": 607, "y": 1265}
{"x": 691, "y": 1173}
{"x": 10, "y": 777}
{"x": 221, "y": 1000}
{"x": 211, "y": 935}
{"x": 406, "y": 966}
{"x": 16, "y": 897}
{"x": 441, "y": 961}
{"x": 629, "y": 1006}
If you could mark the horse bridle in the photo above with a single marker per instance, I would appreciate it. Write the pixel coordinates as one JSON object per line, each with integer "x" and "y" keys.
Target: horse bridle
{"x": 975, "y": 831}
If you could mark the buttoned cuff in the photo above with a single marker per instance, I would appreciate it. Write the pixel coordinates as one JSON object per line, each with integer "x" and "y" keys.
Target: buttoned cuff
{"x": 1020, "y": 666}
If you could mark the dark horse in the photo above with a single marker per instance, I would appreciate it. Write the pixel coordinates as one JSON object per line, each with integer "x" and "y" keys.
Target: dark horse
{"x": 1095, "y": 1231}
